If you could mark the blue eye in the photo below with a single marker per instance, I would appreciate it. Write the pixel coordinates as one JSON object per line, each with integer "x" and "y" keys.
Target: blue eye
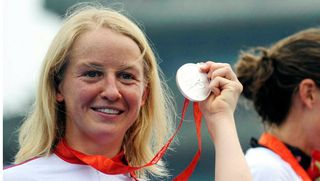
{"x": 92, "y": 74}
{"x": 126, "y": 76}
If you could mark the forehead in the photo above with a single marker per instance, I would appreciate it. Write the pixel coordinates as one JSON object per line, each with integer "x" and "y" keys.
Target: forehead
{"x": 106, "y": 45}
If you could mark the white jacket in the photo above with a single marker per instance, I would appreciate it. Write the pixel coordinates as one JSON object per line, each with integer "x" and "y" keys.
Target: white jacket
{"x": 266, "y": 165}
{"x": 53, "y": 168}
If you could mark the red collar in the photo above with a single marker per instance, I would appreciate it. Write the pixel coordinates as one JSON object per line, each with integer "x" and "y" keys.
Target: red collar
{"x": 314, "y": 170}
{"x": 115, "y": 165}
{"x": 280, "y": 149}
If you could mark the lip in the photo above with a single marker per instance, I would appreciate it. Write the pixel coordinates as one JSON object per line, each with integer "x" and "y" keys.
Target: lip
{"x": 107, "y": 112}
{"x": 107, "y": 107}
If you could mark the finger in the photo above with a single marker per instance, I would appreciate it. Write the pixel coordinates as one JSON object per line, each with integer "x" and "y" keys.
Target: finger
{"x": 225, "y": 72}
{"x": 216, "y": 85}
{"x": 217, "y": 66}
{"x": 210, "y": 66}
{"x": 205, "y": 67}
{"x": 221, "y": 72}
{"x": 213, "y": 70}
{"x": 221, "y": 84}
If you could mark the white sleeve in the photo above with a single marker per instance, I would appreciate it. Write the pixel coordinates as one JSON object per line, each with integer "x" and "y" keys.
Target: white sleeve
{"x": 265, "y": 165}
{"x": 16, "y": 174}
{"x": 269, "y": 172}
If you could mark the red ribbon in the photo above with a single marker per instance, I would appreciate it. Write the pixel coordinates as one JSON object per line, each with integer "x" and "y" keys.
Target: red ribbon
{"x": 116, "y": 166}
{"x": 189, "y": 170}
{"x": 280, "y": 149}
{"x": 314, "y": 169}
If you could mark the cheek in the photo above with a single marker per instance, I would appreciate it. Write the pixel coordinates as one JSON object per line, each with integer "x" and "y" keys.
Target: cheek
{"x": 86, "y": 94}
{"x": 79, "y": 96}
{"x": 313, "y": 131}
{"x": 134, "y": 97}
{"x": 316, "y": 137}
{"x": 317, "y": 127}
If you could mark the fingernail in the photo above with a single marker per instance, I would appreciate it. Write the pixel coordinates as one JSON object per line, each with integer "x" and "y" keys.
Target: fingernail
{"x": 201, "y": 64}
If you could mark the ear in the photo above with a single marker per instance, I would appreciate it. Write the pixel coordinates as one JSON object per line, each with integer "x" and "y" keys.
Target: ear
{"x": 145, "y": 95}
{"x": 59, "y": 96}
{"x": 307, "y": 92}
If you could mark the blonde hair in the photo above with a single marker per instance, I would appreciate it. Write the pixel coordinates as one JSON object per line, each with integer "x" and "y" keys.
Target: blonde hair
{"x": 44, "y": 127}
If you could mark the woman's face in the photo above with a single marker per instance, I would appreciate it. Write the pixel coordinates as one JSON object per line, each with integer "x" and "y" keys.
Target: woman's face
{"x": 103, "y": 88}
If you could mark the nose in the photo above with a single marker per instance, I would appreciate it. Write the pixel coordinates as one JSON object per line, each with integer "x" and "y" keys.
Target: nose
{"x": 110, "y": 89}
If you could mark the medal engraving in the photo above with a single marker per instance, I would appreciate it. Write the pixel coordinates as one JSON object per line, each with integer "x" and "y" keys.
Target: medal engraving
{"x": 192, "y": 83}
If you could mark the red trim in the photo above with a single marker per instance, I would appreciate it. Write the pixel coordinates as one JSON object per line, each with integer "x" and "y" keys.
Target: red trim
{"x": 134, "y": 176}
{"x": 74, "y": 161}
{"x": 314, "y": 170}
{"x": 11, "y": 166}
{"x": 280, "y": 149}
{"x": 69, "y": 160}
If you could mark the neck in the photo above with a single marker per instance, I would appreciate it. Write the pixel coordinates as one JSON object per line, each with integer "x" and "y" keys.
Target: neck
{"x": 292, "y": 133}
{"x": 93, "y": 147}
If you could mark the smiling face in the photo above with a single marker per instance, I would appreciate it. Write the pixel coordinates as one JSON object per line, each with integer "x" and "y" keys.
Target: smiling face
{"x": 103, "y": 90}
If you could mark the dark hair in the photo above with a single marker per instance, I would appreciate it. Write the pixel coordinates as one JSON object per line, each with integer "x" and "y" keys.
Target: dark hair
{"x": 270, "y": 76}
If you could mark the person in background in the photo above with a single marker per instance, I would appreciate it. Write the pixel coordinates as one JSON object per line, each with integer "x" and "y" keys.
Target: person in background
{"x": 283, "y": 82}
{"x": 102, "y": 105}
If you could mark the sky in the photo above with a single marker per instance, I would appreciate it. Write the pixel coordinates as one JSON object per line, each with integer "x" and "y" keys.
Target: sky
{"x": 27, "y": 33}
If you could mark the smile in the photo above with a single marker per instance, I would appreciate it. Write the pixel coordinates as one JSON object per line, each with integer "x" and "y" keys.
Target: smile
{"x": 108, "y": 111}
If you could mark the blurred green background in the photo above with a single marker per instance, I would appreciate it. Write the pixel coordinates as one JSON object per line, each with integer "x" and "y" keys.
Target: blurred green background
{"x": 183, "y": 31}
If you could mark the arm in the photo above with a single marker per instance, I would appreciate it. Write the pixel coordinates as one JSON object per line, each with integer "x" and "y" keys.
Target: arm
{"x": 218, "y": 111}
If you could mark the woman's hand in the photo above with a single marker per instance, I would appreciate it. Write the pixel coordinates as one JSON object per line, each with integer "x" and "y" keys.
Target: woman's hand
{"x": 226, "y": 88}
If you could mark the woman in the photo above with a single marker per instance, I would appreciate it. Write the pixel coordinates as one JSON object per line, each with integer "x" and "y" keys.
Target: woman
{"x": 102, "y": 105}
{"x": 283, "y": 81}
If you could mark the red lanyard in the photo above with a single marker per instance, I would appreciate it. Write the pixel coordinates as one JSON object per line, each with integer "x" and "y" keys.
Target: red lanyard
{"x": 116, "y": 166}
{"x": 280, "y": 149}
{"x": 314, "y": 169}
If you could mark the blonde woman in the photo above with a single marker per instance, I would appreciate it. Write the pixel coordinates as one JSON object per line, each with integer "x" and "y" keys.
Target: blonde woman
{"x": 101, "y": 99}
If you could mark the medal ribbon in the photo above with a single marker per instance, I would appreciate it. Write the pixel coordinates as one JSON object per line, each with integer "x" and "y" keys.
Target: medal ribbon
{"x": 280, "y": 149}
{"x": 314, "y": 169}
{"x": 116, "y": 166}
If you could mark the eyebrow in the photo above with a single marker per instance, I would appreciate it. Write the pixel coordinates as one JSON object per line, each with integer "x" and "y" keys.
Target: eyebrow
{"x": 124, "y": 66}
{"x": 94, "y": 66}
{"x": 132, "y": 64}
{"x": 128, "y": 66}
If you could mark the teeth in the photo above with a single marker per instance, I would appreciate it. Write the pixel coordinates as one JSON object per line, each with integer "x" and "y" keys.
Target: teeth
{"x": 109, "y": 111}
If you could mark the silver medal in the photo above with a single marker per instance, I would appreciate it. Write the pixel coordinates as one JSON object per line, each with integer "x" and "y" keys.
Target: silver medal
{"x": 192, "y": 83}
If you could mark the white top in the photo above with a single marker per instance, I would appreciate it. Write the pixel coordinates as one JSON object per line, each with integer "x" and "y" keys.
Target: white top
{"x": 53, "y": 168}
{"x": 266, "y": 165}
